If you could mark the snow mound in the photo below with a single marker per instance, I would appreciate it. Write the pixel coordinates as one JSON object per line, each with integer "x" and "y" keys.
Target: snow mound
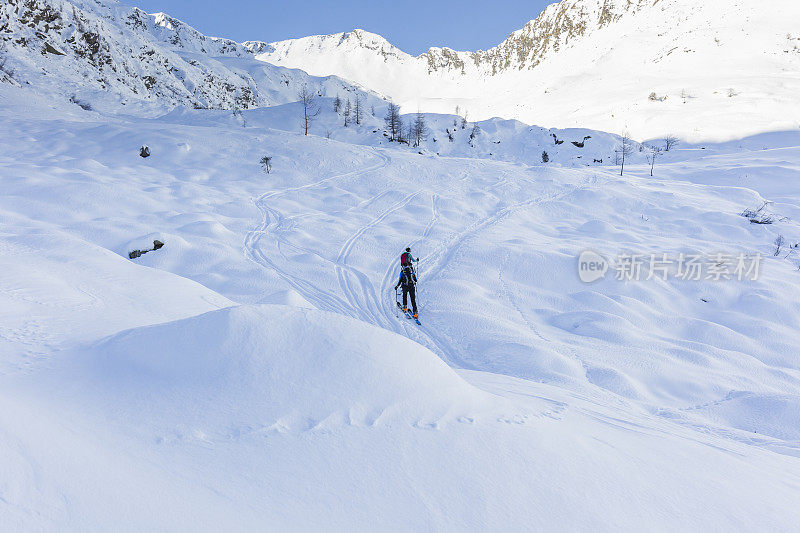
{"x": 775, "y": 415}
{"x": 277, "y": 365}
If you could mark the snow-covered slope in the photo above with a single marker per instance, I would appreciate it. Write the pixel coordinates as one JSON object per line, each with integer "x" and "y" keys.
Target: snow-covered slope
{"x": 158, "y": 393}
{"x": 305, "y": 420}
{"x": 254, "y": 371}
{"x": 719, "y": 69}
{"x": 104, "y": 54}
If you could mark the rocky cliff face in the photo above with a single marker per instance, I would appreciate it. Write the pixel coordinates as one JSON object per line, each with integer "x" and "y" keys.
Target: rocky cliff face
{"x": 101, "y": 45}
{"x": 556, "y": 27}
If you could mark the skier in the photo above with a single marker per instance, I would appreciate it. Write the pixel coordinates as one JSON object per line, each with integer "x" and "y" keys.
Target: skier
{"x": 408, "y": 279}
{"x": 406, "y": 258}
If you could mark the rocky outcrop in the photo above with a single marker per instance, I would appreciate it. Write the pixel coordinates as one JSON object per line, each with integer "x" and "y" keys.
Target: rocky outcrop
{"x": 102, "y": 45}
{"x": 554, "y": 28}
{"x": 135, "y": 254}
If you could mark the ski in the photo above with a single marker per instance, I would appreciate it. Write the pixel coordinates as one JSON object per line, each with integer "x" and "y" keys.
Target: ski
{"x": 408, "y": 314}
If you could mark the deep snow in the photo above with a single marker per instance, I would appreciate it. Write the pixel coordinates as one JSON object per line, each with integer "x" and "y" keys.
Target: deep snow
{"x": 160, "y": 393}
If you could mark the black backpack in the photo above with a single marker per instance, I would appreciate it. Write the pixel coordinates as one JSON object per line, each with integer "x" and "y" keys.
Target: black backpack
{"x": 408, "y": 276}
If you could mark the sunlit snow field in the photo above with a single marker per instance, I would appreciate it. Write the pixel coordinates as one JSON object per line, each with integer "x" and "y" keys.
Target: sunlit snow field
{"x": 254, "y": 372}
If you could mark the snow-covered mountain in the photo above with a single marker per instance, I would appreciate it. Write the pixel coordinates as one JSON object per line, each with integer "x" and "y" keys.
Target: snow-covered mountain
{"x": 706, "y": 70}
{"x": 254, "y": 369}
{"x": 101, "y": 52}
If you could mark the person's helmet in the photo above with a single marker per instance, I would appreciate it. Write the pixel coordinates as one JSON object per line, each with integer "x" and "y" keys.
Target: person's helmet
{"x": 408, "y": 249}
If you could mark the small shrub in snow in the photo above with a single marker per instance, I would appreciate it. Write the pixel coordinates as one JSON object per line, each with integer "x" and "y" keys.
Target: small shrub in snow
{"x": 266, "y": 164}
{"x": 760, "y": 216}
{"x": 754, "y": 215}
{"x": 765, "y": 219}
{"x": 545, "y": 157}
{"x": 144, "y": 151}
{"x": 779, "y": 240}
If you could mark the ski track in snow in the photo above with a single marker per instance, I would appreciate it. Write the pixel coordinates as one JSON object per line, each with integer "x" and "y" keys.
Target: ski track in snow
{"x": 364, "y": 300}
{"x": 371, "y": 302}
{"x": 270, "y": 226}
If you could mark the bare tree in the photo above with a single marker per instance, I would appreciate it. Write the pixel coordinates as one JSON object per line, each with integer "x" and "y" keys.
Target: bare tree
{"x": 625, "y": 149}
{"x": 348, "y": 110}
{"x": 669, "y": 142}
{"x": 310, "y": 110}
{"x": 419, "y": 129}
{"x": 464, "y": 120}
{"x": 652, "y": 152}
{"x": 337, "y": 104}
{"x": 357, "y": 108}
{"x": 394, "y": 122}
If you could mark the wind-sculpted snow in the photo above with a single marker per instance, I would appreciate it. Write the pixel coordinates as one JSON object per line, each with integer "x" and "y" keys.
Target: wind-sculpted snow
{"x": 159, "y": 393}
{"x": 264, "y": 361}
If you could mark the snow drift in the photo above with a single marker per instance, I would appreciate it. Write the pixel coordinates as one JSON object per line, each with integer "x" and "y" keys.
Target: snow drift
{"x": 280, "y": 365}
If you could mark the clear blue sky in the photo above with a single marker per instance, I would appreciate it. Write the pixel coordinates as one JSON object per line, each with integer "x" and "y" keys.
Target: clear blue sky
{"x": 412, "y": 25}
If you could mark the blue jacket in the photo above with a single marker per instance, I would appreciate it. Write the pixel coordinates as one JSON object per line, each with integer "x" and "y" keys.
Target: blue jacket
{"x": 404, "y": 281}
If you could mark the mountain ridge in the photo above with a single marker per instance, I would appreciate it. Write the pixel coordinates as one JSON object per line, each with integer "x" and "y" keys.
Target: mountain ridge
{"x": 102, "y": 52}
{"x": 647, "y": 66}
